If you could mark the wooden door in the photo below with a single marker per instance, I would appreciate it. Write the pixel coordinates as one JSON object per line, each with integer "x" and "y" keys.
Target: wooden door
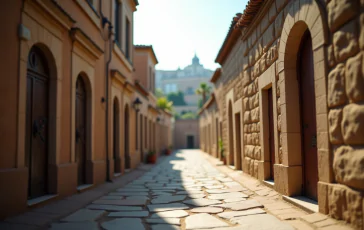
{"x": 81, "y": 130}
{"x": 190, "y": 142}
{"x": 36, "y": 145}
{"x": 116, "y": 137}
{"x": 126, "y": 135}
{"x": 141, "y": 139}
{"x": 231, "y": 140}
{"x": 308, "y": 118}
{"x": 238, "y": 142}
{"x": 271, "y": 133}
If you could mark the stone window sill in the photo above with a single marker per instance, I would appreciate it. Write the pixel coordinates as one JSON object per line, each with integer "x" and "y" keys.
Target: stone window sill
{"x": 42, "y": 199}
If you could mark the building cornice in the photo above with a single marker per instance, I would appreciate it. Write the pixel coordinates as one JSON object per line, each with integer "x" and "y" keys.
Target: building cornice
{"x": 148, "y": 48}
{"x": 216, "y": 75}
{"x": 141, "y": 89}
{"x": 85, "y": 42}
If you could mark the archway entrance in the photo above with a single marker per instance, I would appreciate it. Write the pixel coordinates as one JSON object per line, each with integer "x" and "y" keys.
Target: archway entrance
{"x": 116, "y": 137}
{"x": 308, "y": 116}
{"x": 37, "y": 122}
{"x": 81, "y": 116}
{"x": 231, "y": 138}
{"x": 126, "y": 136}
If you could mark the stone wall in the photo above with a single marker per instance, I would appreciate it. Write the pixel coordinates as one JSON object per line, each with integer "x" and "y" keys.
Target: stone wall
{"x": 337, "y": 34}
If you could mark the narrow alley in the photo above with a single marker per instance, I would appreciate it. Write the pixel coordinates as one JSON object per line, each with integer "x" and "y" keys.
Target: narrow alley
{"x": 188, "y": 190}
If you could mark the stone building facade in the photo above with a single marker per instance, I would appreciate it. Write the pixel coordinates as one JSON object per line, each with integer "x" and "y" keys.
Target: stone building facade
{"x": 186, "y": 134}
{"x": 73, "y": 114}
{"x": 186, "y": 80}
{"x": 288, "y": 101}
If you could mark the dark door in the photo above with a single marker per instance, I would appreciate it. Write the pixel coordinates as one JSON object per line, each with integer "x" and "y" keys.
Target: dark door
{"x": 271, "y": 133}
{"x": 231, "y": 140}
{"x": 308, "y": 117}
{"x": 141, "y": 139}
{"x": 81, "y": 130}
{"x": 116, "y": 137}
{"x": 190, "y": 142}
{"x": 36, "y": 145}
{"x": 126, "y": 145}
{"x": 238, "y": 141}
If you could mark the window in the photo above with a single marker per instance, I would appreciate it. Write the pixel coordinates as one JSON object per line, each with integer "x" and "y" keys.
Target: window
{"x": 169, "y": 88}
{"x": 189, "y": 91}
{"x": 117, "y": 22}
{"x": 127, "y": 39}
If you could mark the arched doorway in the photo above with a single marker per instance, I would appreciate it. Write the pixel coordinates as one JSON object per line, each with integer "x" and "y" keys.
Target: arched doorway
{"x": 37, "y": 123}
{"x": 126, "y": 137}
{"x": 231, "y": 138}
{"x": 81, "y": 118}
{"x": 308, "y": 116}
{"x": 116, "y": 137}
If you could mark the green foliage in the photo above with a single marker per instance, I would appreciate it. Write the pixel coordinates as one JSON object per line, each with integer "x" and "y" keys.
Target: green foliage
{"x": 221, "y": 147}
{"x": 164, "y": 103}
{"x": 203, "y": 90}
{"x": 159, "y": 93}
{"x": 177, "y": 98}
{"x": 188, "y": 115}
{"x": 200, "y": 104}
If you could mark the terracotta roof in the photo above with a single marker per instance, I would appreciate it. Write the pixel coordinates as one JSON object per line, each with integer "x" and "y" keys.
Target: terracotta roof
{"x": 147, "y": 47}
{"x": 250, "y": 11}
{"x": 216, "y": 75}
{"x": 230, "y": 39}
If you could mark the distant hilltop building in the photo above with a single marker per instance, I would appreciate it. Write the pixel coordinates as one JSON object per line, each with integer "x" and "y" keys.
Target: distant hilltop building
{"x": 186, "y": 80}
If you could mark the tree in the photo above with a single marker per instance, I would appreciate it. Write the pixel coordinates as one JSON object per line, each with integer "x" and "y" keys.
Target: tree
{"x": 159, "y": 93}
{"x": 164, "y": 104}
{"x": 203, "y": 90}
{"x": 177, "y": 98}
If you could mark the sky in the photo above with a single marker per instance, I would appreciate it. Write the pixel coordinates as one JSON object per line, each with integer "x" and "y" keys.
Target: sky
{"x": 179, "y": 28}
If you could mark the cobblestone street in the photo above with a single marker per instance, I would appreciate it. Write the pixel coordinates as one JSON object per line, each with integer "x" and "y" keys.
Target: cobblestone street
{"x": 186, "y": 191}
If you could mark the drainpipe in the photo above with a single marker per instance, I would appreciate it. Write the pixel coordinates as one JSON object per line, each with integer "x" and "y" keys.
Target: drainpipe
{"x": 105, "y": 21}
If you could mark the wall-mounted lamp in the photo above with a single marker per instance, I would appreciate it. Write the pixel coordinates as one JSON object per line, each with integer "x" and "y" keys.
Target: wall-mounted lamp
{"x": 137, "y": 104}
{"x": 158, "y": 119}
{"x": 103, "y": 100}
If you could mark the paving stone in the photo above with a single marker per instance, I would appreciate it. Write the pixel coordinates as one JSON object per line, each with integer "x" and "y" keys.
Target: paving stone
{"x": 166, "y": 207}
{"x": 75, "y": 226}
{"x": 111, "y": 198}
{"x": 113, "y": 207}
{"x": 227, "y": 196}
{"x": 136, "y": 190}
{"x": 137, "y": 198}
{"x": 315, "y": 217}
{"x": 164, "y": 227}
{"x": 232, "y": 214}
{"x": 299, "y": 224}
{"x": 194, "y": 196}
{"x": 84, "y": 215}
{"x": 219, "y": 191}
{"x": 234, "y": 200}
{"x": 207, "y": 210}
{"x": 201, "y": 202}
{"x": 129, "y": 202}
{"x": 261, "y": 222}
{"x": 128, "y": 194}
{"x": 213, "y": 186}
{"x": 120, "y": 223}
{"x": 129, "y": 214}
{"x": 203, "y": 221}
{"x": 167, "y": 199}
{"x": 170, "y": 214}
{"x": 175, "y": 221}
{"x": 189, "y": 192}
{"x": 243, "y": 205}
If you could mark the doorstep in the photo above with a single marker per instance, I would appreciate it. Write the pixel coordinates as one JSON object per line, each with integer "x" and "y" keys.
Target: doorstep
{"x": 40, "y": 200}
{"x": 269, "y": 183}
{"x": 303, "y": 202}
{"x": 117, "y": 174}
{"x": 84, "y": 187}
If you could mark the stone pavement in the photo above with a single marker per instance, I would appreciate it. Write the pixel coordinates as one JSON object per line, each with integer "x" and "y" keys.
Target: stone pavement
{"x": 186, "y": 191}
